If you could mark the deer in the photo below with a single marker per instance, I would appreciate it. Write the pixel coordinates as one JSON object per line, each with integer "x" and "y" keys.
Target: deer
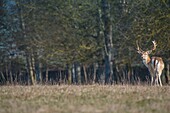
{"x": 154, "y": 64}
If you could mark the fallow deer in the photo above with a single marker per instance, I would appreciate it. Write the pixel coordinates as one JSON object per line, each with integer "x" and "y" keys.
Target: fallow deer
{"x": 154, "y": 64}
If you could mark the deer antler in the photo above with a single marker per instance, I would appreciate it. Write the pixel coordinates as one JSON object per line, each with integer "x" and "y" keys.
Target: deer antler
{"x": 139, "y": 50}
{"x": 154, "y": 46}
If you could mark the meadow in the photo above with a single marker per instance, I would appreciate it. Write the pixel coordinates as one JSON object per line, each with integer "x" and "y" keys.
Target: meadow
{"x": 84, "y": 99}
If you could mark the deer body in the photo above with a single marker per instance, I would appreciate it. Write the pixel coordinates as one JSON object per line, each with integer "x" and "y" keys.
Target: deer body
{"x": 155, "y": 65}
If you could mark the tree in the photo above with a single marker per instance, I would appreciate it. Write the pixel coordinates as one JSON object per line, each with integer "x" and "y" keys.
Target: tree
{"x": 38, "y": 37}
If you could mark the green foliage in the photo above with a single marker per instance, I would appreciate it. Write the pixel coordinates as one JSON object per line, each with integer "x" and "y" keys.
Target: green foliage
{"x": 63, "y": 31}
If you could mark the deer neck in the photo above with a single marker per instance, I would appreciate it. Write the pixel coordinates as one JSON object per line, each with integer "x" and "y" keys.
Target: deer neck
{"x": 147, "y": 61}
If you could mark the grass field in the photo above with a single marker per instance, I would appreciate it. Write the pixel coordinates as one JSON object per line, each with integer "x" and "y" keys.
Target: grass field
{"x": 84, "y": 99}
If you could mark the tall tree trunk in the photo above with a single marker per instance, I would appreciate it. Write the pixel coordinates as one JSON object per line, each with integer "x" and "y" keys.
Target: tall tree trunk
{"x": 73, "y": 73}
{"x": 3, "y": 77}
{"x": 78, "y": 74}
{"x": 6, "y": 72}
{"x": 27, "y": 67}
{"x": 167, "y": 76}
{"x": 20, "y": 77}
{"x": 32, "y": 71}
{"x": 85, "y": 74}
{"x": 40, "y": 72}
{"x": 46, "y": 74}
{"x": 107, "y": 40}
{"x": 95, "y": 65}
{"x": 60, "y": 75}
{"x": 28, "y": 56}
{"x": 10, "y": 72}
{"x": 168, "y": 70}
{"x": 31, "y": 68}
{"x": 69, "y": 74}
{"x": 11, "y": 77}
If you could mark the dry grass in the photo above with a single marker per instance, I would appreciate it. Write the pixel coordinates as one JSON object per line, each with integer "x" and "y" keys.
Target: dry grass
{"x": 84, "y": 99}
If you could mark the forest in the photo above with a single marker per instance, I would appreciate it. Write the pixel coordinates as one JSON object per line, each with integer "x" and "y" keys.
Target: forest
{"x": 81, "y": 41}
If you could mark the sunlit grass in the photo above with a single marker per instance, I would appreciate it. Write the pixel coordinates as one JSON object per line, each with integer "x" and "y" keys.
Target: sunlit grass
{"x": 84, "y": 99}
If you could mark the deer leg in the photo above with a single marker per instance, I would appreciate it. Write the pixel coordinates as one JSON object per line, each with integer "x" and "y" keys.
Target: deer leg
{"x": 151, "y": 80}
{"x": 152, "y": 76}
{"x": 160, "y": 80}
{"x": 156, "y": 75}
{"x": 155, "y": 78}
{"x": 159, "y": 75}
{"x": 156, "y": 81}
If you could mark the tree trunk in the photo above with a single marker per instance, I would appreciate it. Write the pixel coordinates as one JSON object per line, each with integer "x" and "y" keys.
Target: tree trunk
{"x": 40, "y": 72}
{"x": 73, "y": 73}
{"x": 85, "y": 74}
{"x": 6, "y": 72}
{"x": 78, "y": 74}
{"x": 10, "y": 72}
{"x": 95, "y": 65}
{"x": 31, "y": 68}
{"x": 31, "y": 71}
{"x": 69, "y": 74}
{"x": 3, "y": 77}
{"x": 108, "y": 41}
{"x": 20, "y": 77}
{"x": 29, "y": 58}
{"x": 168, "y": 69}
{"x": 11, "y": 77}
{"x": 167, "y": 76}
{"x": 60, "y": 79}
{"x": 46, "y": 75}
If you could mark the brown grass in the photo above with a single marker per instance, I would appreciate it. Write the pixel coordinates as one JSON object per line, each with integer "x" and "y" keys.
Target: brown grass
{"x": 84, "y": 99}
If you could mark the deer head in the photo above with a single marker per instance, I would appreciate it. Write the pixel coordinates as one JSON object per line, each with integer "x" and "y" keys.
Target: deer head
{"x": 145, "y": 54}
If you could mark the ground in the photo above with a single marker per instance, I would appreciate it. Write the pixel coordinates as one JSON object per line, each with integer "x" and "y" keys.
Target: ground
{"x": 84, "y": 99}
